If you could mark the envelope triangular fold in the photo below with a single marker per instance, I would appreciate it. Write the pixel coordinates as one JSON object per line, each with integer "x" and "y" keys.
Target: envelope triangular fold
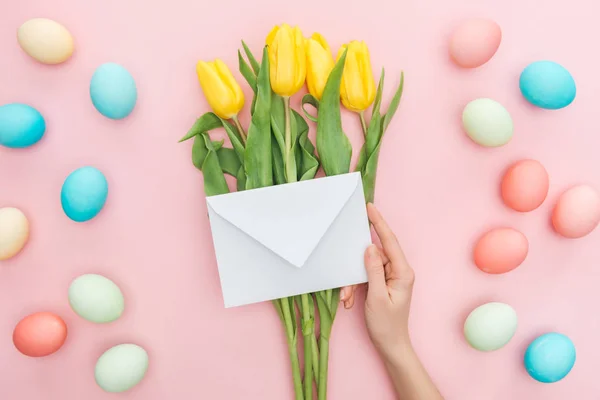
{"x": 291, "y": 219}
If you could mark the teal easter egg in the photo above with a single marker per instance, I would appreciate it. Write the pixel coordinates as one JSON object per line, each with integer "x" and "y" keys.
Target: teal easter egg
{"x": 550, "y": 357}
{"x": 121, "y": 367}
{"x": 487, "y": 123}
{"x": 547, "y": 84}
{"x": 84, "y": 193}
{"x": 490, "y": 326}
{"x": 96, "y": 298}
{"x": 20, "y": 125}
{"x": 113, "y": 91}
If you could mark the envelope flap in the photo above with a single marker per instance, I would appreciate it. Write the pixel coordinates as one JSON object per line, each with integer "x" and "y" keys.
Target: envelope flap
{"x": 288, "y": 219}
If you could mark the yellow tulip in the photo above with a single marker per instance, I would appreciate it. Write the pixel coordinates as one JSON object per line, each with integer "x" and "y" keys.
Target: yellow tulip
{"x": 220, "y": 88}
{"x": 358, "y": 85}
{"x": 319, "y": 63}
{"x": 287, "y": 58}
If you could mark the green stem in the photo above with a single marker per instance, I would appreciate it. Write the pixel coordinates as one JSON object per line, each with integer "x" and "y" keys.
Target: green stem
{"x": 329, "y": 296}
{"x": 363, "y": 123}
{"x": 307, "y": 331}
{"x": 315, "y": 356}
{"x": 240, "y": 128}
{"x": 324, "y": 360}
{"x": 291, "y": 174}
{"x": 292, "y": 341}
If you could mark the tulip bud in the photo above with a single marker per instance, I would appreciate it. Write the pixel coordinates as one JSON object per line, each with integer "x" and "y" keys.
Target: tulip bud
{"x": 287, "y": 58}
{"x": 220, "y": 88}
{"x": 358, "y": 85}
{"x": 319, "y": 63}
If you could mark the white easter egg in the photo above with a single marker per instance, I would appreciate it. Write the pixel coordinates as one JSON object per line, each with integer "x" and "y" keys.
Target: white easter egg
{"x": 490, "y": 326}
{"x": 121, "y": 367}
{"x": 96, "y": 298}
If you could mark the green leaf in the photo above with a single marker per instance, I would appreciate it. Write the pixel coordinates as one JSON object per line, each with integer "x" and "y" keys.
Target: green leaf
{"x": 241, "y": 179}
{"x": 253, "y": 61}
{"x": 214, "y": 179}
{"x": 335, "y": 301}
{"x": 308, "y": 163}
{"x": 333, "y": 145}
{"x": 247, "y": 73}
{"x": 257, "y": 156}
{"x": 374, "y": 129}
{"x": 387, "y": 118}
{"x": 234, "y": 138}
{"x": 324, "y": 315}
{"x": 278, "y": 171}
{"x": 362, "y": 159}
{"x": 206, "y": 122}
{"x": 278, "y": 121}
{"x": 378, "y": 94}
{"x": 311, "y": 100}
{"x": 230, "y": 163}
{"x": 199, "y": 152}
{"x": 370, "y": 175}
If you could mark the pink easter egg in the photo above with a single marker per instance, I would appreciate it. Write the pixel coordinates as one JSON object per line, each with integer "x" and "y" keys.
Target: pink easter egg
{"x": 577, "y": 212}
{"x": 40, "y": 334}
{"x": 475, "y": 42}
{"x": 500, "y": 250}
{"x": 525, "y": 185}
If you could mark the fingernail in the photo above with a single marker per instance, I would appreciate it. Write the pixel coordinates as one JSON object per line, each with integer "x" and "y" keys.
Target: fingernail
{"x": 343, "y": 294}
{"x": 372, "y": 252}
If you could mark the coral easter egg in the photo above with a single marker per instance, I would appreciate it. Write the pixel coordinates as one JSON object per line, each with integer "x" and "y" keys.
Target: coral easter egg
{"x": 525, "y": 185}
{"x": 550, "y": 357}
{"x": 14, "y": 232}
{"x": 40, "y": 334}
{"x": 577, "y": 212}
{"x": 45, "y": 40}
{"x": 490, "y": 326}
{"x": 475, "y": 42}
{"x": 500, "y": 250}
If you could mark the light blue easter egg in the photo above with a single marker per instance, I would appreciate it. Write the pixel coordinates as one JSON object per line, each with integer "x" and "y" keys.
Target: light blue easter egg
{"x": 84, "y": 193}
{"x": 20, "y": 125}
{"x": 550, "y": 357}
{"x": 547, "y": 84}
{"x": 113, "y": 91}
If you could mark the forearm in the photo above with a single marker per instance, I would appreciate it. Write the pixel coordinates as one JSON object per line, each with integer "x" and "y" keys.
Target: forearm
{"x": 409, "y": 377}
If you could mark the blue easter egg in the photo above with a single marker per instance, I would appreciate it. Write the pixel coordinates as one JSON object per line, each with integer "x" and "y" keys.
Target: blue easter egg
{"x": 20, "y": 125}
{"x": 113, "y": 91}
{"x": 550, "y": 357}
{"x": 547, "y": 84}
{"x": 84, "y": 193}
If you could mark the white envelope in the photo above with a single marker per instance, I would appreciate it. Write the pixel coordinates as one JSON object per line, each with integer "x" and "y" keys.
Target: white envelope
{"x": 290, "y": 239}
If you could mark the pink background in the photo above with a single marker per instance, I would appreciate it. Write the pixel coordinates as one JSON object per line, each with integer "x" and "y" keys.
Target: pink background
{"x": 438, "y": 190}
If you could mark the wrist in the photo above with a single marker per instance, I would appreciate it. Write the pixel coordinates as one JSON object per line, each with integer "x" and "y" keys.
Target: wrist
{"x": 397, "y": 354}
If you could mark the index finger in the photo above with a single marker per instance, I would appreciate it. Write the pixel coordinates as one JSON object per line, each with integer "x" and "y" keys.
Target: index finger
{"x": 390, "y": 244}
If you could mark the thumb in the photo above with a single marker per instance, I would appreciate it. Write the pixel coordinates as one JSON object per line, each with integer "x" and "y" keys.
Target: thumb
{"x": 375, "y": 271}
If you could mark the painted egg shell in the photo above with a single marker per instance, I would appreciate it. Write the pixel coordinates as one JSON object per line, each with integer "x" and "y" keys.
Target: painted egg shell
{"x": 525, "y": 185}
{"x": 500, "y": 250}
{"x": 577, "y": 212}
{"x": 113, "y": 91}
{"x": 20, "y": 125}
{"x": 121, "y": 367}
{"x": 490, "y": 326}
{"x": 487, "y": 123}
{"x": 96, "y": 298}
{"x": 475, "y": 42}
{"x": 40, "y": 334}
{"x": 547, "y": 84}
{"x": 550, "y": 357}
{"x": 14, "y": 231}
{"x": 45, "y": 40}
{"x": 84, "y": 193}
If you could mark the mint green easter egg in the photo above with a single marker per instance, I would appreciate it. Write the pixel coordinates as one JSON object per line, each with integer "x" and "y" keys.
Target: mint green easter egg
{"x": 121, "y": 367}
{"x": 96, "y": 298}
{"x": 490, "y": 326}
{"x": 487, "y": 123}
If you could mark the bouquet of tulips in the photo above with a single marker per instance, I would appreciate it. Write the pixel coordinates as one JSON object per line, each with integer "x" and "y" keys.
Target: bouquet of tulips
{"x": 275, "y": 149}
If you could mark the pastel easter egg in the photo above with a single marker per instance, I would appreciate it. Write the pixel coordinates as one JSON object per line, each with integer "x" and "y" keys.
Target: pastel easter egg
{"x": 84, "y": 193}
{"x": 20, "y": 125}
{"x": 490, "y": 326}
{"x": 14, "y": 232}
{"x": 550, "y": 357}
{"x": 487, "y": 123}
{"x": 500, "y": 250}
{"x": 113, "y": 91}
{"x": 577, "y": 212}
{"x": 121, "y": 367}
{"x": 525, "y": 185}
{"x": 96, "y": 298}
{"x": 45, "y": 40}
{"x": 547, "y": 84}
{"x": 40, "y": 334}
{"x": 475, "y": 42}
